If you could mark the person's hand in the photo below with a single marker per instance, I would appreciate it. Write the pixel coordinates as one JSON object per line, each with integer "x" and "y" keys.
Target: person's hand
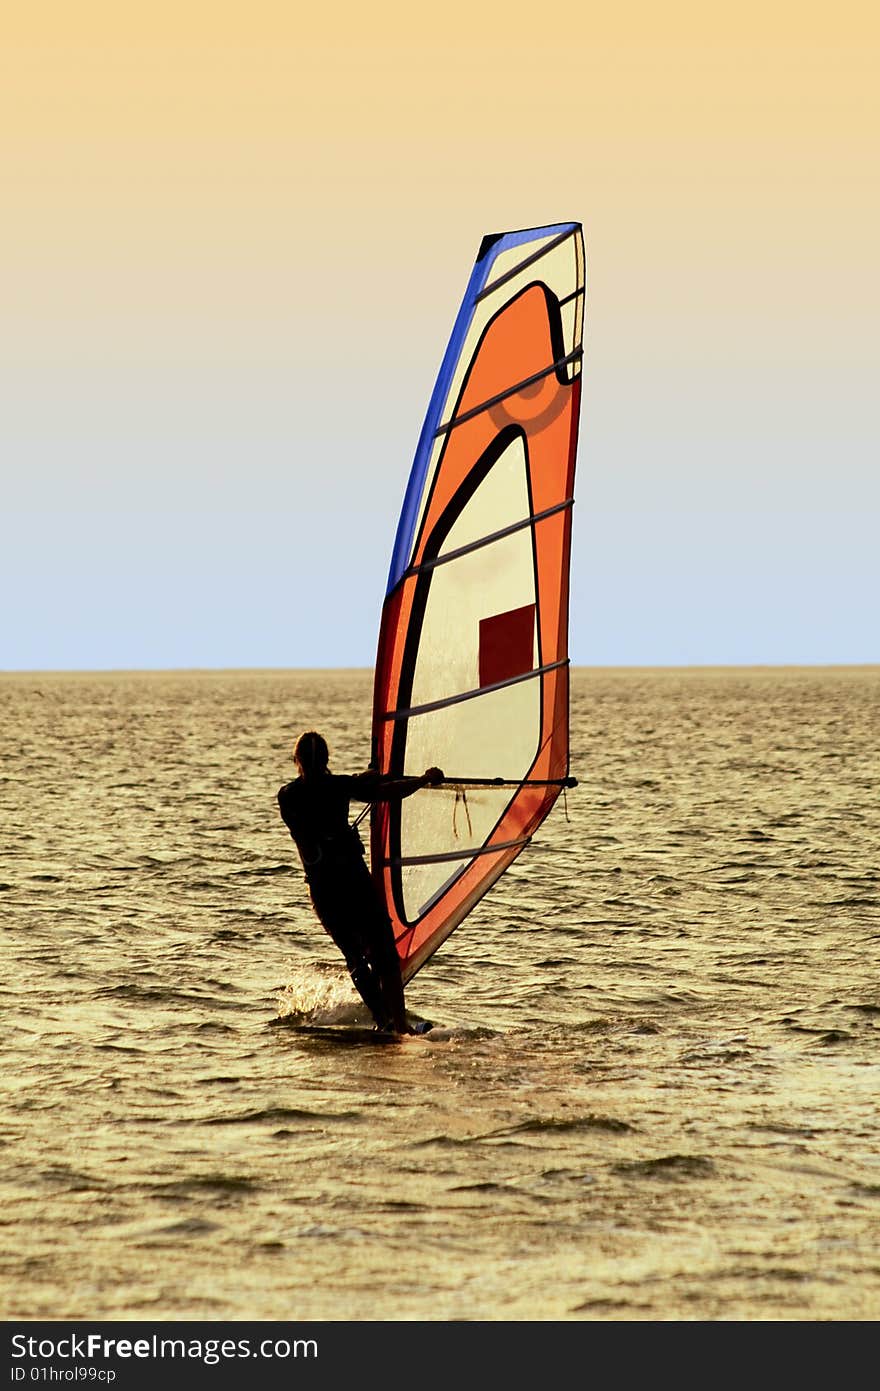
{"x": 432, "y": 777}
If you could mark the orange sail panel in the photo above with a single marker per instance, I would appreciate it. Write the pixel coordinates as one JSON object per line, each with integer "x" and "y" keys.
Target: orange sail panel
{"x": 472, "y": 666}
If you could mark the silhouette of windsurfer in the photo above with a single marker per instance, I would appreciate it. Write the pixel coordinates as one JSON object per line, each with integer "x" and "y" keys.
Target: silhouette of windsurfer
{"x": 315, "y": 809}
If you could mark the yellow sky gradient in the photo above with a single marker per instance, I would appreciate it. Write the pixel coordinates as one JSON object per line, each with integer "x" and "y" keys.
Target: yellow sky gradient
{"x": 168, "y": 118}
{"x": 210, "y": 210}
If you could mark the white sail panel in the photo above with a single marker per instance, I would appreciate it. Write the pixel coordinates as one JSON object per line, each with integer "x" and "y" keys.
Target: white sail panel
{"x": 471, "y": 589}
{"x": 428, "y": 826}
{"x": 507, "y": 260}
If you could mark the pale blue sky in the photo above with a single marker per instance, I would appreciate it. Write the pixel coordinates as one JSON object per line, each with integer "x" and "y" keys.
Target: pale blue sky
{"x": 222, "y": 322}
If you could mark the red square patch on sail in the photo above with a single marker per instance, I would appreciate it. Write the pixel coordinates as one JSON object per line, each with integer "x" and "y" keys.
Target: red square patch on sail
{"x": 507, "y": 645}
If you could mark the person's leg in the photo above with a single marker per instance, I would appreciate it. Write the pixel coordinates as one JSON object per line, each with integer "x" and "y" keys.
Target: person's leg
{"x": 386, "y": 965}
{"x": 369, "y": 986}
{"x": 340, "y": 920}
{"x": 382, "y": 953}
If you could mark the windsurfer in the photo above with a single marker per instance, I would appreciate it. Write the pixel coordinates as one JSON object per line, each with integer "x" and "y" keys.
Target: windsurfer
{"x": 315, "y": 809}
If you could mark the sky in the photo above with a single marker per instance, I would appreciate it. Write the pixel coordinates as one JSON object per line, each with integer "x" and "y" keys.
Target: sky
{"x": 234, "y": 242}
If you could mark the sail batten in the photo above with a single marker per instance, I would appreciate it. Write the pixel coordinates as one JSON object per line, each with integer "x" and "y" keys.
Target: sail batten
{"x": 493, "y": 536}
{"x": 514, "y": 390}
{"x": 470, "y": 695}
{"x": 465, "y": 854}
{"x": 472, "y": 663}
{"x": 528, "y": 261}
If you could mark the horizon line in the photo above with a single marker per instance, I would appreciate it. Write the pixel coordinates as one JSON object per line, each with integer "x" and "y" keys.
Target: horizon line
{"x": 368, "y": 670}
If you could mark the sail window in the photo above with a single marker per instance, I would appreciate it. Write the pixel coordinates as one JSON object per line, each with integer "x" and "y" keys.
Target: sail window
{"x": 507, "y": 645}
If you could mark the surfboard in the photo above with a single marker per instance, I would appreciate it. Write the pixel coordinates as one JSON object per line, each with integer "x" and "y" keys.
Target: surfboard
{"x": 350, "y": 1033}
{"x": 472, "y": 663}
{"x": 347, "y": 1033}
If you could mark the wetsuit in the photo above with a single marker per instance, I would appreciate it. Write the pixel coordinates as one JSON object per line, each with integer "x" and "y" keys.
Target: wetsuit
{"x": 315, "y": 811}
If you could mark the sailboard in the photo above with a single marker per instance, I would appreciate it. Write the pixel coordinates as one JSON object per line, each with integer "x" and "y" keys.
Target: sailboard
{"x": 472, "y": 668}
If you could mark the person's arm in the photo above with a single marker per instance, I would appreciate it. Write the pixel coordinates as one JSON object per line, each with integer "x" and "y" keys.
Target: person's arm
{"x": 373, "y": 787}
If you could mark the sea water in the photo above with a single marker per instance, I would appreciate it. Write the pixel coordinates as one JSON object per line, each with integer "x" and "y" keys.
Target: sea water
{"x": 652, "y": 1088}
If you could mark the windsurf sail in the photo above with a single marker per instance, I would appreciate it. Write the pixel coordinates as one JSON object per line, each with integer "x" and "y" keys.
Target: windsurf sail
{"x": 472, "y": 664}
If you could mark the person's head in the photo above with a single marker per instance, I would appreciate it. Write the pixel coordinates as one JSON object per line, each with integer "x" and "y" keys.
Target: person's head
{"x": 311, "y": 754}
